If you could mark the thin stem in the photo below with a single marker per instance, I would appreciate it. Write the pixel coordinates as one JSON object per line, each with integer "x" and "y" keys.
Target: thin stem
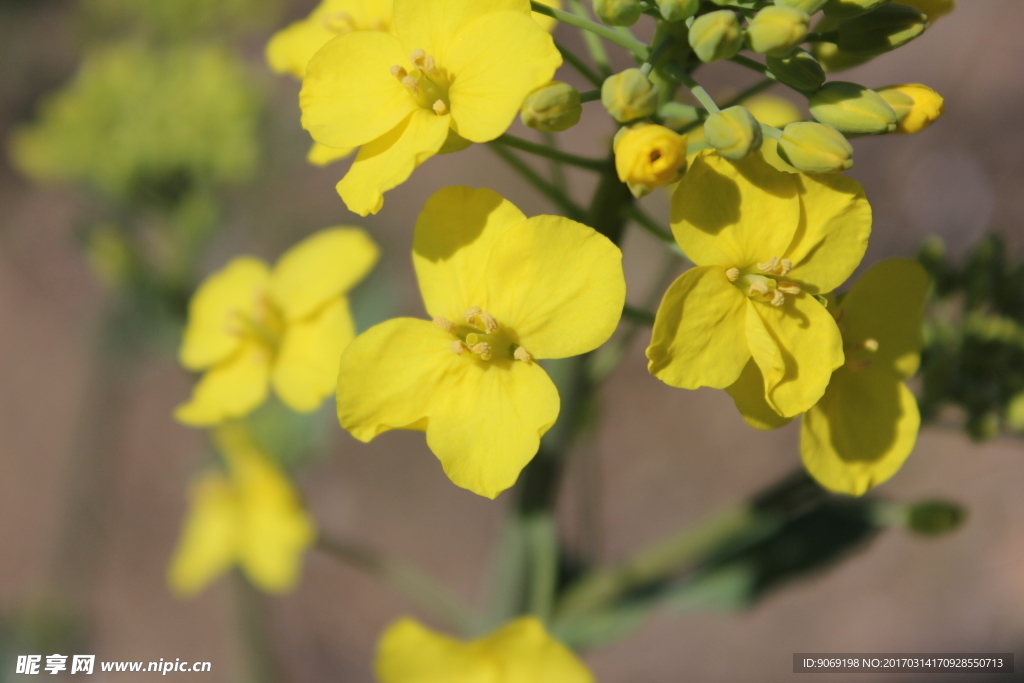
{"x": 542, "y": 541}
{"x": 594, "y": 45}
{"x": 590, "y": 96}
{"x": 571, "y": 209}
{"x": 558, "y": 178}
{"x": 638, "y": 315}
{"x": 753, "y": 90}
{"x": 549, "y": 153}
{"x": 580, "y": 66}
{"x": 640, "y": 217}
{"x": 634, "y": 46}
{"x": 661, "y": 44}
{"x": 771, "y": 131}
{"x": 698, "y": 91}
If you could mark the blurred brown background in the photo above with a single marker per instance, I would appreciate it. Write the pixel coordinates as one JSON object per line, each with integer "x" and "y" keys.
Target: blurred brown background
{"x": 666, "y": 457}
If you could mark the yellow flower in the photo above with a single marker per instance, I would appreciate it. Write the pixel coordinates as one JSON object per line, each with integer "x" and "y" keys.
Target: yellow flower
{"x": 455, "y": 71}
{"x": 250, "y": 327}
{"x": 649, "y": 156}
{"x": 249, "y": 516}
{"x": 504, "y": 291}
{"x": 520, "y": 652}
{"x": 765, "y": 243}
{"x": 917, "y": 106}
{"x": 864, "y": 427}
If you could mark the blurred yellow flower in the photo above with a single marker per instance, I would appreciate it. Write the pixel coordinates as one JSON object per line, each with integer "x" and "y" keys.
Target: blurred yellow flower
{"x": 455, "y": 71}
{"x": 504, "y": 291}
{"x": 250, "y": 327}
{"x": 765, "y": 244}
{"x": 648, "y": 156}
{"x": 249, "y": 516}
{"x": 520, "y": 652}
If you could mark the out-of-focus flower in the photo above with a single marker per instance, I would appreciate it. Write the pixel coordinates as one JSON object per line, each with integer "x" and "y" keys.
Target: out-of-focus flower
{"x": 648, "y": 156}
{"x": 552, "y": 108}
{"x": 502, "y": 296}
{"x": 716, "y": 35}
{"x": 815, "y": 148}
{"x": 629, "y": 95}
{"x": 775, "y": 30}
{"x": 251, "y": 327}
{"x": 249, "y": 516}
{"x": 917, "y": 106}
{"x": 183, "y": 19}
{"x": 520, "y": 652}
{"x": 453, "y": 69}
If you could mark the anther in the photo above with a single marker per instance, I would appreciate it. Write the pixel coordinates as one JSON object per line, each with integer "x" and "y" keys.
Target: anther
{"x": 412, "y": 84}
{"x": 870, "y": 345}
{"x": 440, "y": 108}
{"x": 758, "y": 287}
{"x": 788, "y": 288}
{"x": 418, "y": 56}
{"x": 769, "y": 266}
{"x": 486, "y": 319}
{"x": 522, "y": 354}
{"x": 778, "y": 299}
{"x": 733, "y": 274}
{"x": 399, "y": 72}
{"x": 430, "y": 66}
{"x": 787, "y": 266}
{"x": 458, "y": 346}
{"x": 482, "y": 349}
{"x": 446, "y": 325}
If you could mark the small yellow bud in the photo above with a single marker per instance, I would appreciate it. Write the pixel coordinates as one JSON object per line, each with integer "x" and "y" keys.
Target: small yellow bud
{"x": 917, "y": 106}
{"x": 933, "y": 9}
{"x": 733, "y": 132}
{"x": 798, "y": 69}
{"x": 552, "y": 108}
{"x": 852, "y": 108}
{"x": 678, "y": 10}
{"x": 842, "y": 9}
{"x": 629, "y": 96}
{"x": 716, "y": 35}
{"x": 809, "y": 6}
{"x": 648, "y": 156}
{"x": 618, "y": 12}
{"x": 884, "y": 28}
{"x": 815, "y": 148}
{"x": 776, "y": 30}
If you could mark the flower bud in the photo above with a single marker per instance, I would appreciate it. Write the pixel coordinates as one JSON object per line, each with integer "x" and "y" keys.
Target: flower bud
{"x": 933, "y": 9}
{"x": 809, "y": 6}
{"x": 629, "y": 95}
{"x": 884, "y": 28}
{"x": 552, "y": 108}
{"x": 815, "y": 148}
{"x": 649, "y": 156}
{"x": 716, "y": 35}
{"x": 917, "y": 106}
{"x": 618, "y": 12}
{"x": 733, "y": 132}
{"x": 842, "y": 9}
{"x": 798, "y": 69}
{"x": 852, "y": 108}
{"x": 934, "y": 517}
{"x": 776, "y": 30}
{"x": 678, "y": 10}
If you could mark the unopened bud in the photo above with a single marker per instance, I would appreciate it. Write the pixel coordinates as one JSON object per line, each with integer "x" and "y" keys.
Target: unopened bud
{"x": 880, "y": 30}
{"x": 809, "y": 6}
{"x": 649, "y": 156}
{"x": 798, "y": 69}
{"x": 678, "y": 10}
{"x": 629, "y": 95}
{"x": 852, "y": 108}
{"x": 933, "y": 9}
{"x": 917, "y": 106}
{"x": 716, "y": 35}
{"x": 815, "y": 148}
{"x": 618, "y": 12}
{"x": 935, "y": 517}
{"x": 552, "y": 108}
{"x": 776, "y": 30}
{"x": 842, "y": 9}
{"x": 733, "y": 132}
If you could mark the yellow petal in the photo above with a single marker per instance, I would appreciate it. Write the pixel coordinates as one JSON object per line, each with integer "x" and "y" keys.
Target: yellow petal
{"x": 861, "y": 432}
{"x": 487, "y": 93}
{"x": 544, "y": 21}
{"x": 319, "y": 268}
{"x": 455, "y": 234}
{"x": 886, "y": 304}
{"x": 290, "y": 49}
{"x": 699, "y": 335}
{"x": 212, "y": 331}
{"x": 322, "y": 155}
{"x": 527, "y": 654}
{"x": 411, "y": 653}
{"x": 834, "y": 228}
{"x": 388, "y": 161}
{"x": 734, "y": 213}
{"x": 349, "y": 97}
{"x": 435, "y": 25}
{"x": 206, "y": 548}
{"x": 230, "y": 389}
{"x": 389, "y": 376}
{"x": 748, "y": 395}
{"x": 558, "y": 307}
{"x": 306, "y": 369}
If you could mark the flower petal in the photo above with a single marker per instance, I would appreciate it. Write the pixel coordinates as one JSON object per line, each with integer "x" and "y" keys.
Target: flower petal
{"x": 748, "y": 394}
{"x": 547, "y": 23}
{"x": 319, "y": 268}
{"x": 558, "y": 307}
{"x": 290, "y": 49}
{"x": 230, "y": 389}
{"x": 306, "y": 369}
{"x": 206, "y": 548}
{"x": 210, "y": 336}
{"x": 527, "y": 654}
{"x": 435, "y": 25}
{"x": 349, "y": 97}
{"x": 486, "y": 92}
{"x": 322, "y": 155}
{"x": 734, "y": 213}
{"x": 411, "y": 653}
{"x": 455, "y": 234}
{"x": 389, "y": 160}
{"x": 699, "y": 336}
{"x": 861, "y": 432}
{"x": 835, "y": 224}
{"x": 487, "y": 421}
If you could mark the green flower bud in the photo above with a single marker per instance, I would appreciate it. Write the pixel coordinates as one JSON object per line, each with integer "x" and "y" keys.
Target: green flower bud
{"x": 815, "y": 148}
{"x": 716, "y": 35}
{"x": 618, "y": 12}
{"x": 935, "y": 517}
{"x": 809, "y": 6}
{"x": 884, "y": 28}
{"x": 798, "y": 70}
{"x": 852, "y": 108}
{"x": 842, "y": 9}
{"x": 776, "y": 30}
{"x": 552, "y": 108}
{"x": 900, "y": 102}
{"x": 733, "y": 132}
{"x": 678, "y": 10}
{"x": 629, "y": 95}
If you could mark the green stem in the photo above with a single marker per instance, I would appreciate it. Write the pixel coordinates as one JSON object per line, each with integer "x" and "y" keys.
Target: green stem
{"x": 662, "y": 43}
{"x": 594, "y": 45}
{"x": 590, "y": 96}
{"x": 698, "y": 91}
{"x": 549, "y": 153}
{"x": 580, "y": 66}
{"x": 638, "y": 315}
{"x": 640, "y": 217}
{"x": 542, "y": 541}
{"x": 771, "y": 131}
{"x": 634, "y": 46}
{"x": 563, "y": 202}
{"x": 558, "y": 178}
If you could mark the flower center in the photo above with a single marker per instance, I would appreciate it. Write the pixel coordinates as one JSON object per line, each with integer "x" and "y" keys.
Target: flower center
{"x": 763, "y": 281}
{"x": 427, "y": 83}
{"x": 482, "y": 337}
{"x": 860, "y": 356}
{"x": 265, "y": 325}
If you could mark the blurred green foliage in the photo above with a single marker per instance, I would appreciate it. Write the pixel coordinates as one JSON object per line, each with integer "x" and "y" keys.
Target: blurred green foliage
{"x": 185, "y": 18}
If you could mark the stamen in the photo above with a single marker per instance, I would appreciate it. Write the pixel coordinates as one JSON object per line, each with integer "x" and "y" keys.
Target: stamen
{"x": 788, "y": 288}
{"x": 487, "y": 320}
{"x": 778, "y": 299}
{"x": 758, "y": 287}
{"x": 412, "y": 84}
{"x": 522, "y": 354}
{"x": 787, "y": 266}
{"x": 733, "y": 274}
{"x": 430, "y": 66}
{"x": 458, "y": 346}
{"x": 871, "y": 345}
{"x": 483, "y": 349}
{"x": 440, "y": 108}
{"x": 418, "y": 56}
{"x": 399, "y": 72}
{"x": 446, "y": 325}
{"x": 769, "y": 266}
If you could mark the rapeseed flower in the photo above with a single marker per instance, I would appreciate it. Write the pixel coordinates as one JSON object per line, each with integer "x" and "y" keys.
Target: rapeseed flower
{"x": 504, "y": 291}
